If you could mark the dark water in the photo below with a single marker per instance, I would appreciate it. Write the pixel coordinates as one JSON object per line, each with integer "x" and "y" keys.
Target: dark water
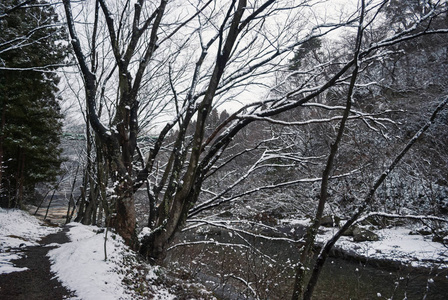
{"x": 342, "y": 279}
{"x": 266, "y": 271}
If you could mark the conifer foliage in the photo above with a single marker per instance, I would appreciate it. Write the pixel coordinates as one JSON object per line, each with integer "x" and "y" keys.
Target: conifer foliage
{"x": 31, "y": 119}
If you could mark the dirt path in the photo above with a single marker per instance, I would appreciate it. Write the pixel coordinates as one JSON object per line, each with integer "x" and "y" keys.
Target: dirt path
{"x": 37, "y": 282}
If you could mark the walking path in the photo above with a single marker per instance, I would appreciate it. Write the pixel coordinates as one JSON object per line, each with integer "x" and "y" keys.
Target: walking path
{"x": 37, "y": 282}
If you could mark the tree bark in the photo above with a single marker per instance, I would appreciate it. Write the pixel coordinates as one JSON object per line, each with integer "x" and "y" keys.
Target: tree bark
{"x": 2, "y": 124}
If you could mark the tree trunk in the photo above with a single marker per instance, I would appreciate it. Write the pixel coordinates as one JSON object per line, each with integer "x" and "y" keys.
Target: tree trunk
{"x": 154, "y": 245}
{"x": 102, "y": 178}
{"x": 3, "y": 122}
{"x": 124, "y": 220}
{"x": 20, "y": 178}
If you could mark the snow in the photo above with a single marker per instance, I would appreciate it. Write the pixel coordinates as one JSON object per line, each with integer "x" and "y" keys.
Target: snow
{"x": 17, "y": 230}
{"x": 395, "y": 244}
{"x": 79, "y": 265}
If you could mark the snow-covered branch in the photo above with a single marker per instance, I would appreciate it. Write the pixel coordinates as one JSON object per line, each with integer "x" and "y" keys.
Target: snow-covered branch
{"x": 397, "y": 216}
{"x": 220, "y": 199}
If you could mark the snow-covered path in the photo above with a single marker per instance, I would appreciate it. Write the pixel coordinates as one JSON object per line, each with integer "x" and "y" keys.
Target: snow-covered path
{"x": 41, "y": 262}
{"x": 29, "y": 275}
{"x": 18, "y": 230}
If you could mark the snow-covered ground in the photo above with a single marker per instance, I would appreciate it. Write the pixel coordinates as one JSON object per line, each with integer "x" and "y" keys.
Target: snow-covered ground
{"x": 394, "y": 244}
{"x": 80, "y": 265}
{"x": 17, "y": 230}
{"x": 96, "y": 267}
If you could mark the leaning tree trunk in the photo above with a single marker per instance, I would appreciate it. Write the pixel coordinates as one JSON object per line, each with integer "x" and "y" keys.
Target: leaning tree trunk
{"x": 369, "y": 198}
{"x": 173, "y": 210}
{"x": 323, "y": 197}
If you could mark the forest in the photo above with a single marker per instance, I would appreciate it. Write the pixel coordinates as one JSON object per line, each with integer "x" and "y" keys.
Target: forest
{"x": 239, "y": 142}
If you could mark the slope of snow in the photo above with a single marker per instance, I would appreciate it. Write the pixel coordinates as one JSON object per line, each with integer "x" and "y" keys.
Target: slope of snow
{"x": 17, "y": 230}
{"x": 81, "y": 266}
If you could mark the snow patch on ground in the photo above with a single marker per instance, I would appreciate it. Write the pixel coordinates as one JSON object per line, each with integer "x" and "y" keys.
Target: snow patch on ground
{"x": 17, "y": 230}
{"x": 81, "y": 266}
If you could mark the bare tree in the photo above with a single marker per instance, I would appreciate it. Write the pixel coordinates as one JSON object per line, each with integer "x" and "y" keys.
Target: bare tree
{"x": 230, "y": 31}
{"x": 187, "y": 59}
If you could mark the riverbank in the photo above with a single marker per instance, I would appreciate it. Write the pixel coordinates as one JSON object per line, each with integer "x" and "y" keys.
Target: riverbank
{"x": 243, "y": 259}
{"x": 395, "y": 247}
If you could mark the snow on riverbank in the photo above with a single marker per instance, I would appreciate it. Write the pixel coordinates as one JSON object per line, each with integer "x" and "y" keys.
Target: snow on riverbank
{"x": 395, "y": 244}
{"x": 81, "y": 266}
{"x": 17, "y": 230}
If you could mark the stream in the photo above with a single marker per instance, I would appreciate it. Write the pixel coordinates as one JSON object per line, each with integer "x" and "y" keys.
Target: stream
{"x": 244, "y": 267}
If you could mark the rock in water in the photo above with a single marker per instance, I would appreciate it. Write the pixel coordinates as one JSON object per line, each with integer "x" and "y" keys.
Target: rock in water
{"x": 363, "y": 235}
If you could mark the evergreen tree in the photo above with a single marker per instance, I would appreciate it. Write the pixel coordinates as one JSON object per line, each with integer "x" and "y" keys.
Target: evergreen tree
{"x": 30, "y": 51}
